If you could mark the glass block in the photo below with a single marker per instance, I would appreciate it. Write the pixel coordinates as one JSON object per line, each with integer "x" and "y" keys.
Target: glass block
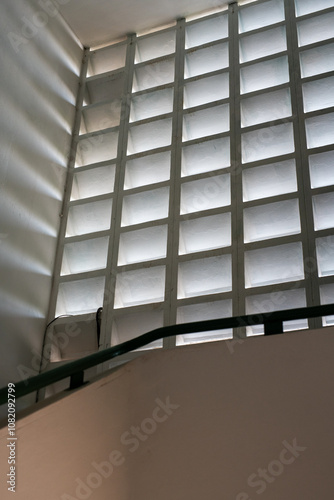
{"x": 267, "y": 143}
{"x": 153, "y": 46}
{"x": 151, "y": 104}
{"x": 202, "y": 312}
{"x": 145, "y": 206}
{"x": 107, "y": 59}
{"x": 84, "y": 256}
{"x": 315, "y": 29}
{"x": 206, "y": 31}
{"x": 129, "y": 326}
{"x": 262, "y": 44}
{"x": 204, "y": 276}
{"x": 279, "y": 264}
{"x": 206, "y": 156}
{"x": 325, "y": 255}
{"x": 206, "y": 90}
{"x": 318, "y": 94}
{"x": 142, "y": 286}
{"x": 142, "y": 245}
{"x": 93, "y": 182}
{"x": 269, "y": 180}
{"x": 323, "y": 211}
{"x": 322, "y": 169}
{"x": 82, "y": 296}
{"x": 97, "y": 148}
{"x": 206, "y": 233}
{"x": 327, "y": 297}
{"x": 89, "y": 218}
{"x": 100, "y": 116}
{"x": 107, "y": 88}
{"x": 265, "y": 107}
{"x": 151, "y": 135}
{"x": 276, "y": 301}
{"x": 317, "y": 61}
{"x": 304, "y": 7}
{"x": 201, "y": 61}
{"x": 205, "y": 194}
{"x": 320, "y": 130}
{"x": 147, "y": 170}
{"x": 153, "y": 75}
{"x": 271, "y": 220}
{"x": 264, "y": 74}
{"x": 206, "y": 122}
{"x": 258, "y": 16}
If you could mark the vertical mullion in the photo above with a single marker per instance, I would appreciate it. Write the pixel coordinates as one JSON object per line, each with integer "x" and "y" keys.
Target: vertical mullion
{"x": 111, "y": 270}
{"x": 175, "y": 185}
{"x": 238, "y": 281}
{"x": 303, "y": 175}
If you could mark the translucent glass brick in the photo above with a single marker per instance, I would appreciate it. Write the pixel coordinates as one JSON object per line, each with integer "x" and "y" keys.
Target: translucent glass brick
{"x": 153, "y": 75}
{"x": 202, "y": 312}
{"x": 153, "y": 46}
{"x": 325, "y": 255}
{"x": 317, "y": 61}
{"x": 151, "y": 104}
{"x": 271, "y": 220}
{"x": 81, "y": 296}
{"x": 327, "y": 297}
{"x": 107, "y": 88}
{"x": 107, "y": 59}
{"x": 304, "y": 7}
{"x": 323, "y": 211}
{"x": 206, "y": 31}
{"x": 279, "y": 264}
{"x": 205, "y": 90}
{"x": 142, "y": 245}
{"x": 206, "y": 122}
{"x": 89, "y": 218}
{"x": 205, "y": 233}
{"x": 205, "y": 194}
{"x": 276, "y": 301}
{"x": 264, "y": 74}
{"x": 269, "y": 180}
{"x": 322, "y": 169}
{"x": 201, "y": 61}
{"x": 267, "y": 143}
{"x": 84, "y": 256}
{"x": 316, "y": 29}
{"x": 258, "y": 16}
{"x": 100, "y": 116}
{"x": 145, "y": 206}
{"x": 142, "y": 286}
{"x": 130, "y": 325}
{"x": 93, "y": 182}
{"x": 318, "y": 94}
{"x": 150, "y": 135}
{"x": 148, "y": 169}
{"x": 97, "y": 148}
{"x": 265, "y": 107}
{"x": 206, "y": 156}
{"x": 320, "y": 130}
{"x": 262, "y": 44}
{"x": 204, "y": 276}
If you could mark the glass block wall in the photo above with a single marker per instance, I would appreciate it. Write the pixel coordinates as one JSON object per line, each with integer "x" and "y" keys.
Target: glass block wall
{"x": 202, "y": 185}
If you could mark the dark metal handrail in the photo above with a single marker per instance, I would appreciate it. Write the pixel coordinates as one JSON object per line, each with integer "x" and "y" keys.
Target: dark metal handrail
{"x": 272, "y": 321}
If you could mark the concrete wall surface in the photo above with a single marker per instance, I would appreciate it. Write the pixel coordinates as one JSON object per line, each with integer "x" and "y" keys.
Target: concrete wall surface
{"x": 230, "y": 420}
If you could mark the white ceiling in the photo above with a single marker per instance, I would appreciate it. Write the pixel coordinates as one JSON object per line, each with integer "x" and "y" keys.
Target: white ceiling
{"x": 98, "y": 21}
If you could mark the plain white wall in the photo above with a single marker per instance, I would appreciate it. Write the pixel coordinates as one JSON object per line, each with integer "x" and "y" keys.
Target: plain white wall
{"x": 40, "y": 63}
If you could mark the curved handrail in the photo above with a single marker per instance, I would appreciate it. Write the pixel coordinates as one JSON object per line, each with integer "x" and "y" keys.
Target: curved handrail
{"x": 273, "y": 323}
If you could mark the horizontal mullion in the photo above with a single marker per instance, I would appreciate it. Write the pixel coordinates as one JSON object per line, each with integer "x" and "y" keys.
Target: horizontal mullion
{"x": 315, "y": 14}
{"x": 272, "y": 199}
{"x": 316, "y": 44}
{"x": 150, "y": 120}
{"x": 266, "y": 90}
{"x": 271, "y": 123}
{"x": 263, "y": 28}
{"x": 321, "y": 149}
{"x": 220, "y": 13}
{"x": 326, "y": 280}
{"x": 322, "y": 190}
{"x": 197, "y": 78}
{"x": 206, "y": 175}
{"x": 322, "y": 233}
{"x": 147, "y": 187}
{"x": 92, "y": 199}
{"x": 144, "y": 264}
{"x": 206, "y": 138}
{"x": 207, "y": 45}
{"x": 153, "y": 89}
{"x": 198, "y": 299}
{"x": 205, "y": 213}
{"x": 97, "y": 133}
{"x": 81, "y": 276}
{"x": 207, "y": 105}
{"x": 86, "y": 237}
{"x": 319, "y": 112}
{"x": 262, "y": 59}
{"x": 97, "y": 104}
{"x": 204, "y": 254}
{"x": 162, "y": 149}
{"x": 106, "y": 75}
{"x": 171, "y": 27}
{"x": 144, "y": 225}
{"x": 91, "y": 166}
{"x": 151, "y": 306}
{"x": 274, "y": 288}
{"x": 317, "y": 77}
{"x": 269, "y": 161}
{"x": 273, "y": 242}
{"x": 156, "y": 60}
